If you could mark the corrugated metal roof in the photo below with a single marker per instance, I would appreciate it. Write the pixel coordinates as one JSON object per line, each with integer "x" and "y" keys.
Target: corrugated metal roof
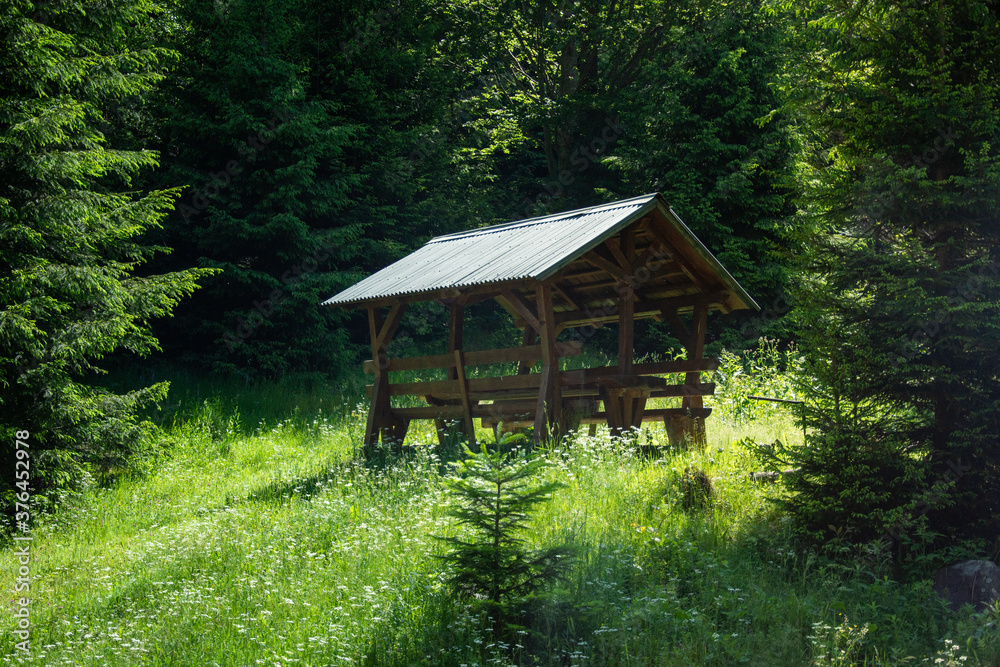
{"x": 533, "y": 248}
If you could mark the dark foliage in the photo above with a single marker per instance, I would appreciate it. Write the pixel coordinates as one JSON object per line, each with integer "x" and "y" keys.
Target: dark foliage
{"x": 70, "y": 217}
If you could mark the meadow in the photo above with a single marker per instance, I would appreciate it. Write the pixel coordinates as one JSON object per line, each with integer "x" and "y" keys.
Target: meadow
{"x": 256, "y": 539}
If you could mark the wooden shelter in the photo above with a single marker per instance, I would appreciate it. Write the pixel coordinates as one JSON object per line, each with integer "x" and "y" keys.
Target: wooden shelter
{"x": 569, "y": 272}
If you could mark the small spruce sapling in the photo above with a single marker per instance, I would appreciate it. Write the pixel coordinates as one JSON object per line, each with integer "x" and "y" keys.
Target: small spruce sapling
{"x": 497, "y": 492}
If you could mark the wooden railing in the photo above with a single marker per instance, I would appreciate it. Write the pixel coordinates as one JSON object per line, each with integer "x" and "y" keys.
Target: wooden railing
{"x": 507, "y": 355}
{"x": 513, "y": 399}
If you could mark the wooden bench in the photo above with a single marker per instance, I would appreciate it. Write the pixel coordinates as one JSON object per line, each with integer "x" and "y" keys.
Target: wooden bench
{"x": 513, "y": 400}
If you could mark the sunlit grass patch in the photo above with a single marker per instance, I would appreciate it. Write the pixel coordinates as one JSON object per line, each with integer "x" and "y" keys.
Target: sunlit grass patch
{"x": 279, "y": 546}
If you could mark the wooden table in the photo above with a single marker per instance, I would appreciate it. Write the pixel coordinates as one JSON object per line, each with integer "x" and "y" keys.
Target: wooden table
{"x": 624, "y": 398}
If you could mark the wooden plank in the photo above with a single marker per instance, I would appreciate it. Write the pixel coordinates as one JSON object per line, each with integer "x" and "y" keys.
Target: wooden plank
{"x": 670, "y": 391}
{"x": 653, "y": 415}
{"x": 699, "y": 390}
{"x": 501, "y": 411}
{"x": 506, "y": 412}
{"x": 470, "y": 428}
{"x": 591, "y": 375}
{"x": 483, "y": 388}
{"x": 449, "y": 412}
{"x": 507, "y": 355}
{"x": 450, "y": 388}
{"x": 522, "y": 308}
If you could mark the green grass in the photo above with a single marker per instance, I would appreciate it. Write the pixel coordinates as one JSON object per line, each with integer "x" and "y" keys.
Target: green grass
{"x": 269, "y": 543}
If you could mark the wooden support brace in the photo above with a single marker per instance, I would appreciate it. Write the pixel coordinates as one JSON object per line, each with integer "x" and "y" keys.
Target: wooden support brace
{"x": 470, "y": 429}
{"x": 379, "y": 423}
{"x": 612, "y": 268}
{"x": 619, "y": 254}
{"x": 522, "y": 308}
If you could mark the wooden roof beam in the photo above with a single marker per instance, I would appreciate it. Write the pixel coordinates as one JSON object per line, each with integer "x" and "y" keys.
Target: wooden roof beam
{"x": 568, "y": 295}
{"x": 628, "y": 247}
{"x": 447, "y": 295}
{"x": 619, "y": 254}
{"x": 610, "y": 267}
{"x": 718, "y": 298}
{"x": 656, "y": 308}
{"x": 518, "y": 306}
{"x": 684, "y": 262}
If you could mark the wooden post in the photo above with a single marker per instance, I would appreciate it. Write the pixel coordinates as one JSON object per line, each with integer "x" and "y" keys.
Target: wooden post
{"x": 548, "y": 411}
{"x": 621, "y": 415}
{"x": 524, "y": 367}
{"x": 470, "y": 428}
{"x": 380, "y": 423}
{"x": 694, "y": 427}
{"x": 456, "y": 317}
{"x": 626, "y": 328}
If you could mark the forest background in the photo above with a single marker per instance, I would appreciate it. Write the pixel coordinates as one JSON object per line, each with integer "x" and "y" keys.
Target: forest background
{"x": 184, "y": 181}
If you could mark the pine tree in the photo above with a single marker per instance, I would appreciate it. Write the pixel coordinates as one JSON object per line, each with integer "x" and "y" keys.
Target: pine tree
{"x": 497, "y": 493}
{"x": 900, "y": 294}
{"x": 70, "y": 288}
